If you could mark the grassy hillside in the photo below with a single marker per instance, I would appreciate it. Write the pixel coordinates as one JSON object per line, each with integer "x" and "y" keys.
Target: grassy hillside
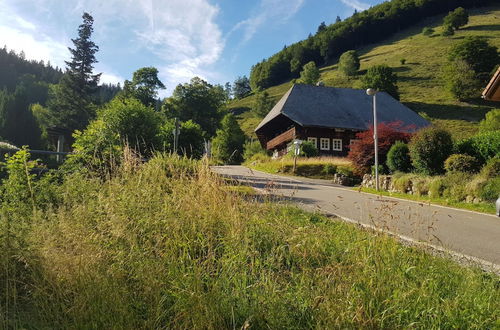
{"x": 420, "y": 84}
{"x": 165, "y": 245}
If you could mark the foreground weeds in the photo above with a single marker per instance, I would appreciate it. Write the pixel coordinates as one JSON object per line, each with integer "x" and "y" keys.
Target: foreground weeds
{"x": 166, "y": 245}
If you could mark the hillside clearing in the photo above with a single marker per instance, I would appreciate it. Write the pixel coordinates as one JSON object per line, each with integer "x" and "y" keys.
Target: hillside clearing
{"x": 420, "y": 84}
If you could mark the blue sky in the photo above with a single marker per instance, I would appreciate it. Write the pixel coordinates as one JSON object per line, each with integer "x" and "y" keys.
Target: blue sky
{"x": 217, "y": 40}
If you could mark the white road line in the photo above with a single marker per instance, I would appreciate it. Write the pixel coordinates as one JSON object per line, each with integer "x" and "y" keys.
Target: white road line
{"x": 372, "y": 194}
{"x": 484, "y": 264}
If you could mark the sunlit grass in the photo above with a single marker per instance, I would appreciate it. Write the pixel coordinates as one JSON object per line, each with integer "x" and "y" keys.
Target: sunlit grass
{"x": 168, "y": 244}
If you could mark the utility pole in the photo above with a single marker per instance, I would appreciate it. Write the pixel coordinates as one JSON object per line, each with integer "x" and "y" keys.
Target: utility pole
{"x": 176, "y": 134}
{"x": 373, "y": 92}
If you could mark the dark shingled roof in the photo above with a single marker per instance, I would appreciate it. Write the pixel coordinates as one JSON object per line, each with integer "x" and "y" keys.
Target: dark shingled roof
{"x": 348, "y": 108}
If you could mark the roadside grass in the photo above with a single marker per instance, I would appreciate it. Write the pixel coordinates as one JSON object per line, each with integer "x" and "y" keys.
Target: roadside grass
{"x": 167, "y": 244}
{"x": 479, "y": 207}
{"x": 310, "y": 167}
{"x": 419, "y": 79}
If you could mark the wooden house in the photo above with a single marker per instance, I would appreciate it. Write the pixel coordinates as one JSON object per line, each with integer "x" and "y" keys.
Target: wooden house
{"x": 328, "y": 117}
{"x": 492, "y": 91}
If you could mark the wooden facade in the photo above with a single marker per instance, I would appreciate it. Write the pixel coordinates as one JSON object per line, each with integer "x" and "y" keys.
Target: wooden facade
{"x": 328, "y": 141}
{"x": 328, "y": 117}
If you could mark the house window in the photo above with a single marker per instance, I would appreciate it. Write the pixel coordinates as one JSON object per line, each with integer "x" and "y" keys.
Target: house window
{"x": 337, "y": 144}
{"x": 313, "y": 140}
{"x": 352, "y": 141}
{"x": 324, "y": 144}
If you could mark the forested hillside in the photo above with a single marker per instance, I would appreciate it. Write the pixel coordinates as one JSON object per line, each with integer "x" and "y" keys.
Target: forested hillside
{"x": 418, "y": 62}
{"x": 367, "y": 27}
{"x": 25, "y": 86}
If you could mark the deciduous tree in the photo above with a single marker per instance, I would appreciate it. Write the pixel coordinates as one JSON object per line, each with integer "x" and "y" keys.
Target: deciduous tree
{"x": 144, "y": 86}
{"x": 310, "y": 74}
{"x": 381, "y": 78}
{"x": 349, "y": 63}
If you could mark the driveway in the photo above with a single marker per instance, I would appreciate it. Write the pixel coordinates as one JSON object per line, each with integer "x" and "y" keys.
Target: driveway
{"x": 463, "y": 234}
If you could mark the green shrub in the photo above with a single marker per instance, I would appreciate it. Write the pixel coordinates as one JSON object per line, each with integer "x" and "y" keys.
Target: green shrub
{"x": 402, "y": 61}
{"x": 345, "y": 170}
{"x": 491, "y": 169}
{"x": 308, "y": 149}
{"x": 487, "y": 145}
{"x": 429, "y": 148}
{"x": 251, "y": 148}
{"x": 329, "y": 169}
{"x": 421, "y": 185}
{"x": 259, "y": 158}
{"x": 398, "y": 157}
{"x": 490, "y": 191}
{"x": 461, "y": 163}
{"x": 436, "y": 187}
{"x": 447, "y": 31}
{"x": 491, "y": 122}
{"x": 454, "y": 186}
{"x": 427, "y": 31}
{"x": 402, "y": 183}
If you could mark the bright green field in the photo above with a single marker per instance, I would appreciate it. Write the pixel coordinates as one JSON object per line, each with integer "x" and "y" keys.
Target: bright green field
{"x": 420, "y": 84}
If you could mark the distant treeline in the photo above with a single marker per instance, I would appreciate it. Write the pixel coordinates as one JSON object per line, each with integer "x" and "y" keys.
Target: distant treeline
{"x": 24, "y": 83}
{"x": 369, "y": 26}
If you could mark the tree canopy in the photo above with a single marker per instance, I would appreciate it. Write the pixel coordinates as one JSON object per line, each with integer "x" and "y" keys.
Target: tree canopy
{"x": 199, "y": 101}
{"x": 457, "y": 18}
{"x": 310, "y": 74}
{"x": 241, "y": 87}
{"x": 349, "y": 63}
{"x": 227, "y": 146}
{"x": 144, "y": 86}
{"x": 381, "y": 78}
{"x": 478, "y": 53}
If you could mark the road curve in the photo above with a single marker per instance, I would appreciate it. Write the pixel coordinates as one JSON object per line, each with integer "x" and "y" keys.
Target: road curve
{"x": 463, "y": 233}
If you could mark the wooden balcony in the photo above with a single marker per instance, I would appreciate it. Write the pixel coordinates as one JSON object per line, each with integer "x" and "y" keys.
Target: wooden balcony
{"x": 282, "y": 138}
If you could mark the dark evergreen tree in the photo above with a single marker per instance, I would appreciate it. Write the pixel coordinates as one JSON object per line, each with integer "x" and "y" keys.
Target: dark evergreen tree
{"x": 321, "y": 27}
{"x": 70, "y": 103}
{"x": 338, "y": 19}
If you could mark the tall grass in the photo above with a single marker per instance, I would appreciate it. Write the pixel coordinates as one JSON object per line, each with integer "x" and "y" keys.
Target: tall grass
{"x": 166, "y": 245}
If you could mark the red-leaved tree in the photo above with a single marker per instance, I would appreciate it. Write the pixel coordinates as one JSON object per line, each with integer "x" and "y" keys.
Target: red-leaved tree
{"x": 362, "y": 151}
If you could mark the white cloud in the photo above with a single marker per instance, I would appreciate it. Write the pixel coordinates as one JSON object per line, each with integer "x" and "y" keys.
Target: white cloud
{"x": 18, "y": 34}
{"x": 276, "y": 11}
{"x": 180, "y": 37}
{"x": 110, "y": 78}
{"x": 356, "y": 4}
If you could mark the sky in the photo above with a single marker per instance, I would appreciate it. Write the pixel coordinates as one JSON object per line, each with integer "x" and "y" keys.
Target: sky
{"x": 217, "y": 40}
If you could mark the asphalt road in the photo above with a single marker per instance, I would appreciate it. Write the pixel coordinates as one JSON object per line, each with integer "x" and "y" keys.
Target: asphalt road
{"x": 472, "y": 235}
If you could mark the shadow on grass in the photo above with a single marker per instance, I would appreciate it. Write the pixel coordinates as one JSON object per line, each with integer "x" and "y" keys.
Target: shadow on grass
{"x": 474, "y": 112}
{"x": 492, "y": 27}
{"x": 239, "y": 110}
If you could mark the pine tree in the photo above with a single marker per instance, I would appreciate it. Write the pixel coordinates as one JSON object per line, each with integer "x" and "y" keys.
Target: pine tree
{"x": 228, "y": 143}
{"x": 70, "y": 103}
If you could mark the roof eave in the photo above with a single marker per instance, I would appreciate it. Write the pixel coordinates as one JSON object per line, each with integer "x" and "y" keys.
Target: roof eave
{"x": 492, "y": 86}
